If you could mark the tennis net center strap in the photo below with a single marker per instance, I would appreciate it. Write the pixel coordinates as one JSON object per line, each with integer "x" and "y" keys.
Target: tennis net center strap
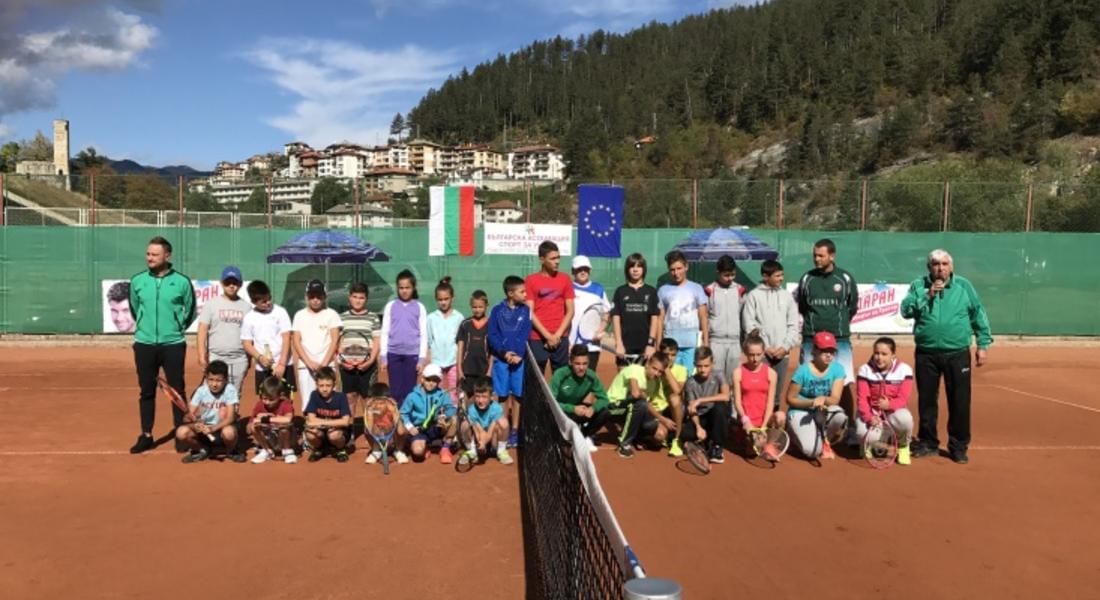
{"x": 574, "y": 547}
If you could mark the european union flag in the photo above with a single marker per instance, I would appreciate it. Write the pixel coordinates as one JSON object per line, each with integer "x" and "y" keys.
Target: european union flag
{"x": 600, "y": 226}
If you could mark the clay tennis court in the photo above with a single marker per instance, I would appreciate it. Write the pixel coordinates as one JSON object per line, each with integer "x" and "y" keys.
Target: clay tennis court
{"x": 1020, "y": 521}
{"x": 84, "y": 519}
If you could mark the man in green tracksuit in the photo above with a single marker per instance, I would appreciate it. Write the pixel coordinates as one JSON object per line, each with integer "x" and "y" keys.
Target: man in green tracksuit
{"x": 947, "y": 312}
{"x": 828, "y": 298}
{"x": 580, "y": 395}
{"x": 162, "y": 301}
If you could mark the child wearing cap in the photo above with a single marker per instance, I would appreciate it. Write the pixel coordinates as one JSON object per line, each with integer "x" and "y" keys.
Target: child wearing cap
{"x": 587, "y": 295}
{"x": 428, "y": 416}
{"x": 219, "y": 335}
{"x": 314, "y": 335}
{"x": 814, "y": 392}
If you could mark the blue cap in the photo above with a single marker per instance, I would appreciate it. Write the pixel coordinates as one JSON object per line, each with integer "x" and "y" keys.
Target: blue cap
{"x": 232, "y": 272}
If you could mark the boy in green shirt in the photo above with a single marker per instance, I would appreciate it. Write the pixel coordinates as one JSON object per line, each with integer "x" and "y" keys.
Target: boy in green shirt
{"x": 580, "y": 394}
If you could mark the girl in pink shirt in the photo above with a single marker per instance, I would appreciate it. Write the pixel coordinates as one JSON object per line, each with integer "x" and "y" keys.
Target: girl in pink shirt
{"x": 753, "y": 388}
{"x": 883, "y": 387}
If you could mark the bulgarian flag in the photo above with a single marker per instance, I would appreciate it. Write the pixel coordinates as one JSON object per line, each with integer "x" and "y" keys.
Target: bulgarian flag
{"x": 451, "y": 226}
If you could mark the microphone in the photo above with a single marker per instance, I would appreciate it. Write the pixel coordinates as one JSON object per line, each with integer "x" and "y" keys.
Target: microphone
{"x": 940, "y": 293}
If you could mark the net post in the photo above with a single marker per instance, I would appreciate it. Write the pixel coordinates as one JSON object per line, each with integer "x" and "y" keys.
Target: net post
{"x": 779, "y": 208}
{"x": 91, "y": 201}
{"x": 946, "y": 203}
{"x": 863, "y": 205}
{"x": 1030, "y": 206}
{"x": 694, "y": 203}
{"x": 652, "y": 588}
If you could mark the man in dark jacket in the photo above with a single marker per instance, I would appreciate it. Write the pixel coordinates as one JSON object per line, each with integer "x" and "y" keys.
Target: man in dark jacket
{"x": 162, "y": 301}
{"x": 946, "y": 311}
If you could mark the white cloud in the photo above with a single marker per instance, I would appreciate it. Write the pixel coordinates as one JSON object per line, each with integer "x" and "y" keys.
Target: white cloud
{"x": 5, "y": 132}
{"x": 346, "y": 91}
{"x": 34, "y": 62}
{"x": 608, "y": 8}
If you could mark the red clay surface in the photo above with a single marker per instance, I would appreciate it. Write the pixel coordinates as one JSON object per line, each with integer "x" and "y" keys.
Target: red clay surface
{"x": 1020, "y": 521}
{"x": 81, "y": 518}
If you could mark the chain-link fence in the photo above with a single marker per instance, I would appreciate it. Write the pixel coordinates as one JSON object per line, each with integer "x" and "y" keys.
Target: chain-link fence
{"x": 823, "y": 205}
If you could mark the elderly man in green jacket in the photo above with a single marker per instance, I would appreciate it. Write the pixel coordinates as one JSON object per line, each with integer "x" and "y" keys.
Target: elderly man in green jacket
{"x": 162, "y": 301}
{"x": 947, "y": 312}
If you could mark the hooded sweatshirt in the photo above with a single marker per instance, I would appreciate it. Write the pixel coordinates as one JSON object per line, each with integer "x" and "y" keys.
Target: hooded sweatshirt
{"x": 724, "y": 311}
{"x": 773, "y": 311}
{"x": 420, "y": 405}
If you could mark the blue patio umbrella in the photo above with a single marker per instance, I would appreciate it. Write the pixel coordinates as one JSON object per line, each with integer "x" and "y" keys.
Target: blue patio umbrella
{"x": 708, "y": 245}
{"x": 327, "y": 247}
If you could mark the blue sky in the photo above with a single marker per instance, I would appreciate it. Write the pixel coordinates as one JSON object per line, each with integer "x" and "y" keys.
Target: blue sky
{"x": 193, "y": 82}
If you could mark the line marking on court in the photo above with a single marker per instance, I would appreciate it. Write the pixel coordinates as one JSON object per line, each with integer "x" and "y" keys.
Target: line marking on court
{"x": 73, "y": 452}
{"x": 65, "y": 388}
{"x": 1047, "y": 398}
{"x": 1035, "y": 448}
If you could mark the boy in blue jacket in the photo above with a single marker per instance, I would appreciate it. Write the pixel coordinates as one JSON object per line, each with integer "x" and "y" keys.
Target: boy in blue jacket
{"x": 428, "y": 416}
{"x": 509, "y": 328}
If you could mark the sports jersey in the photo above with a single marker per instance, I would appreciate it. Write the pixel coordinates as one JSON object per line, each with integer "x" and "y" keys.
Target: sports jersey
{"x": 570, "y": 390}
{"x": 658, "y": 391}
{"x": 509, "y": 329}
{"x": 224, "y": 318}
{"x": 586, "y": 297}
{"x": 681, "y": 305}
{"x": 264, "y": 330}
{"x": 334, "y": 407}
{"x": 635, "y": 307}
{"x": 827, "y": 302}
{"x": 754, "y": 392}
{"x": 283, "y": 408}
{"x": 620, "y": 386}
{"x": 476, "y": 346}
{"x": 549, "y": 295}
{"x": 316, "y": 330}
{"x": 210, "y": 405}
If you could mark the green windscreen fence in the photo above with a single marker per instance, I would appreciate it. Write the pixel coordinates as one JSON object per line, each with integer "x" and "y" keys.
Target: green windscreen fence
{"x": 51, "y": 278}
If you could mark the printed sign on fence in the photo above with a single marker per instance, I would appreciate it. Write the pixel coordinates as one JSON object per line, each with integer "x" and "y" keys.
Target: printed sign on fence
{"x": 524, "y": 238}
{"x": 879, "y": 308}
{"x": 117, "y": 317}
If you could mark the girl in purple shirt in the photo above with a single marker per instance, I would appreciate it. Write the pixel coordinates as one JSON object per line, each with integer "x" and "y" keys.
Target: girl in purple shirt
{"x": 404, "y": 338}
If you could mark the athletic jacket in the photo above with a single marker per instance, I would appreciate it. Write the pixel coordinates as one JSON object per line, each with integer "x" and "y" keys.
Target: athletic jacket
{"x": 509, "y": 329}
{"x": 945, "y": 323}
{"x": 724, "y": 311}
{"x": 163, "y": 307}
{"x": 827, "y": 302}
{"x": 896, "y": 384}
{"x": 570, "y": 391}
{"x": 774, "y": 313}
{"x": 419, "y": 404}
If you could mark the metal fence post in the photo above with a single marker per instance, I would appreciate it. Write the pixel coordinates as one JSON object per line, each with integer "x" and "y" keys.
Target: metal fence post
{"x": 358, "y": 220}
{"x": 946, "y": 203}
{"x": 270, "y": 193}
{"x": 3, "y": 209}
{"x": 527, "y": 184}
{"x": 1030, "y": 206}
{"x": 91, "y": 191}
{"x": 179, "y": 184}
{"x": 863, "y": 205}
{"x": 779, "y": 208}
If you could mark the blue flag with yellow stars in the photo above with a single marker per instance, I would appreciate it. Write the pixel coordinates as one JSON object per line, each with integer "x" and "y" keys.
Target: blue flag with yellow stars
{"x": 600, "y": 220}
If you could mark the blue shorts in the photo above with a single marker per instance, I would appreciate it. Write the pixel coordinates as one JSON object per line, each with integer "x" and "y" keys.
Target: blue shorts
{"x": 843, "y": 356}
{"x": 686, "y": 358}
{"x": 431, "y": 434}
{"x": 507, "y": 379}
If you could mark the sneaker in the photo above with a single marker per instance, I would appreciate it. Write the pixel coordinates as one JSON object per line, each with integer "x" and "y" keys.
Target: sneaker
{"x": 675, "y": 450}
{"x": 445, "y": 456}
{"x": 504, "y": 457}
{"x": 827, "y": 452}
{"x": 196, "y": 456}
{"x": 513, "y": 439}
{"x": 342, "y": 456}
{"x": 921, "y": 451}
{"x": 625, "y": 451}
{"x": 960, "y": 457}
{"x": 716, "y": 455}
{"x": 771, "y": 452}
{"x": 237, "y": 457}
{"x": 400, "y": 457}
{"x": 373, "y": 457}
{"x": 316, "y": 455}
{"x": 903, "y": 456}
{"x": 467, "y": 457}
{"x": 289, "y": 457}
{"x": 261, "y": 457}
{"x": 144, "y": 442}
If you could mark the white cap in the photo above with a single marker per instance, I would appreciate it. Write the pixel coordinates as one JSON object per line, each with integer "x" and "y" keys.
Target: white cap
{"x": 581, "y": 261}
{"x": 432, "y": 371}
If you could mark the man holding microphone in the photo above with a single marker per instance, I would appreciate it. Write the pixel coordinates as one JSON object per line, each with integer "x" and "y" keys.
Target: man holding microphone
{"x": 947, "y": 311}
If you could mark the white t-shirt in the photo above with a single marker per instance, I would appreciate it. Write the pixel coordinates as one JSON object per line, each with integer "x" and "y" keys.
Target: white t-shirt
{"x": 316, "y": 329}
{"x": 266, "y": 329}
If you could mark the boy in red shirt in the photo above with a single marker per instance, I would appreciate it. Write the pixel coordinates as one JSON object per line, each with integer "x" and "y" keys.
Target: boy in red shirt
{"x": 550, "y": 298}
{"x": 270, "y": 425}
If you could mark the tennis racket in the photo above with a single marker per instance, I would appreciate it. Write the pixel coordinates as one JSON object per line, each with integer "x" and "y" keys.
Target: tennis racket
{"x": 181, "y": 403}
{"x": 880, "y": 443}
{"x": 771, "y": 443}
{"x": 590, "y": 327}
{"x": 697, "y": 456}
{"x": 382, "y": 428}
{"x": 465, "y": 437}
{"x": 829, "y": 428}
{"x": 353, "y": 348}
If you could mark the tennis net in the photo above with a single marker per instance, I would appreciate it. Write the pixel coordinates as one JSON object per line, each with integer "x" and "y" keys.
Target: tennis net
{"x": 573, "y": 546}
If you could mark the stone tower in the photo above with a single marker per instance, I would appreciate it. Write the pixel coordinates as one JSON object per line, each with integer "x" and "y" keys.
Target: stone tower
{"x": 61, "y": 147}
